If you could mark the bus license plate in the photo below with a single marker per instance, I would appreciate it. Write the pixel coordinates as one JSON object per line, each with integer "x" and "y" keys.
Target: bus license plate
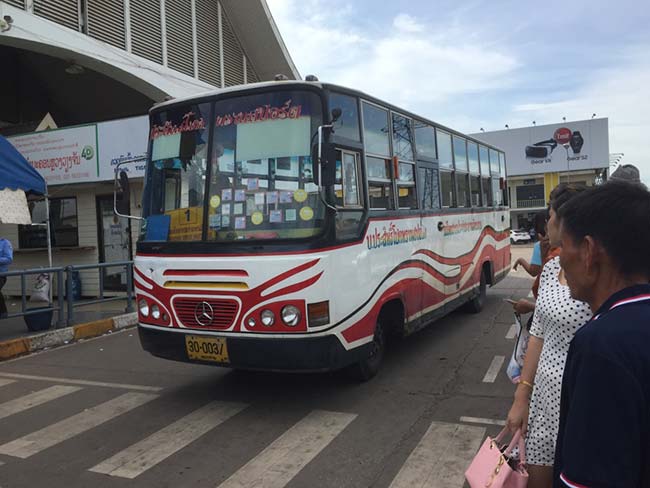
{"x": 212, "y": 349}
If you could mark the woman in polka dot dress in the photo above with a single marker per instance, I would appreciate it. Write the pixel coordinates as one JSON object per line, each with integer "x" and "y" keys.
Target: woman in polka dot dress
{"x": 556, "y": 319}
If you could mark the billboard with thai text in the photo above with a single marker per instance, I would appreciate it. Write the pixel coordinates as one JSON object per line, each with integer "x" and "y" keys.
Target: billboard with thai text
{"x": 87, "y": 153}
{"x": 61, "y": 156}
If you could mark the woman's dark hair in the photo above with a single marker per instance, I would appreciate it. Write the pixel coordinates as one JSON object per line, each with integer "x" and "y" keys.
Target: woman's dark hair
{"x": 616, "y": 215}
{"x": 564, "y": 192}
{"x": 539, "y": 223}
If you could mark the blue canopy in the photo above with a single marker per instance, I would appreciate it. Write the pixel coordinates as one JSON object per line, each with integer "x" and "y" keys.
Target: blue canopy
{"x": 15, "y": 171}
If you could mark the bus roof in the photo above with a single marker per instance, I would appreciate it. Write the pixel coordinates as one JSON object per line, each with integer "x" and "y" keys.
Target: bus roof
{"x": 317, "y": 84}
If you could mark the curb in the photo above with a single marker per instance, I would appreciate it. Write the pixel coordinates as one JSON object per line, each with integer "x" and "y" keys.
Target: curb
{"x": 18, "y": 347}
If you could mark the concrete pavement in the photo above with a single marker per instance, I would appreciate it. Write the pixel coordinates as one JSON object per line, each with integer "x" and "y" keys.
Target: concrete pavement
{"x": 105, "y": 414}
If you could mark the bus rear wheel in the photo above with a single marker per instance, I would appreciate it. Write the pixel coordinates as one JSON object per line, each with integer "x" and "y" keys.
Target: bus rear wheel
{"x": 475, "y": 305}
{"x": 367, "y": 368}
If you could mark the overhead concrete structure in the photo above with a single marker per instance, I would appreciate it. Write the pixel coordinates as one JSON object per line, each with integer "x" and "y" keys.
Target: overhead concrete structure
{"x": 61, "y": 54}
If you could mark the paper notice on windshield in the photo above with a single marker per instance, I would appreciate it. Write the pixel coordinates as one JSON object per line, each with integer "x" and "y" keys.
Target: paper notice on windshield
{"x": 273, "y": 139}
{"x": 272, "y": 197}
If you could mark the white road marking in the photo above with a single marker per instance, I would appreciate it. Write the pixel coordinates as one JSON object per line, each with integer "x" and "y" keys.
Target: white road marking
{"x": 34, "y": 399}
{"x": 512, "y": 332}
{"x": 479, "y": 420}
{"x": 40, "y": 440}
{"x": 493, "y": 370}
{"x": 70, "y": 381}
{"x": 276, "y": 465}
{"x": 147, "y": 453}
{"x": 441, "y": 457}
{"x": 4, "y": 382}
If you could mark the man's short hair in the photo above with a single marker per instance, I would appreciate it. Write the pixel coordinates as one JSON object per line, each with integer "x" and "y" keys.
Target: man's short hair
{"x": 616, "y": 215}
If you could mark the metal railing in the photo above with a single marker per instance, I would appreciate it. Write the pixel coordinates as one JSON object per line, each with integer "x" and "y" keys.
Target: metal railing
{"x": 65, "y": 302}
{"x": 532, "y": 203}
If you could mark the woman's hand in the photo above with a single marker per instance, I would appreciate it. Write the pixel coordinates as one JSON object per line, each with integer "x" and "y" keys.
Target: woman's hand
{"x": 518, "y": 415}
{"x": 520, "y": 262}
{"x": 523, "y": 306}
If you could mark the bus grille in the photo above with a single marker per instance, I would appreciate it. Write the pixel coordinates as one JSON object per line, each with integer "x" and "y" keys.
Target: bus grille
{"x": 208, "y": 313}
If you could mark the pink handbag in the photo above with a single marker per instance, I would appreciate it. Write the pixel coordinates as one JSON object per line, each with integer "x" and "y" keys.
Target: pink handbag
{"x": 492, "y": 466}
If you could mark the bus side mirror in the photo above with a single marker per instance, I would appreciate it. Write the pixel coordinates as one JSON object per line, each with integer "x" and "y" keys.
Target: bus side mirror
{"x": 327, "y": 163}
{"x": 122, "y": 194}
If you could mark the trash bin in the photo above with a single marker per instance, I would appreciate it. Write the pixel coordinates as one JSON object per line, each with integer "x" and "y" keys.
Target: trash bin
{"x": 40, "y": 320}
{"x": 76, "y": 285}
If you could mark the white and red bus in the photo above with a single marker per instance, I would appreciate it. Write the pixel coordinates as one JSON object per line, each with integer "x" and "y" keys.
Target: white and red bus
{"x": 293, "y": 225}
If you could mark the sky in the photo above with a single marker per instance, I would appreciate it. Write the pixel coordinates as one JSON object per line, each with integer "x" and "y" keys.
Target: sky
{"x": 473, "y": 64}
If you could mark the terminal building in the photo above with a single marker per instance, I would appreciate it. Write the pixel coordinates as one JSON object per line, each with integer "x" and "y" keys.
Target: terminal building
{"x": 78, "y": 79}
{"x": 540, "y": 157}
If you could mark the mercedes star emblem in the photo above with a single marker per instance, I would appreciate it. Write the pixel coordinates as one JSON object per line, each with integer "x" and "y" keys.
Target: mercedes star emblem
{"x": 204, "y": 313}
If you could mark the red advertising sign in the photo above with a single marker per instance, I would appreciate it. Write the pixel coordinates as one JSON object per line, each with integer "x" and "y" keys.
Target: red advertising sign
{"x": 562, "y": 135}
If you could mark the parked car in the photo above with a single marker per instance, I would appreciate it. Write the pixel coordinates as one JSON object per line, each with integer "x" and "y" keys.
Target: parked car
{"x": 519, "y": 235}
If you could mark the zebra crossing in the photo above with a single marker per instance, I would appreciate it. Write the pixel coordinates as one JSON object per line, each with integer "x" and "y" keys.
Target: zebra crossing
{"x": 438, "y": 460}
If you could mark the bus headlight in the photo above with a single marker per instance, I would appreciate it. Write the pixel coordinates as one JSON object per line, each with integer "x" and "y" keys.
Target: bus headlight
{"x": 290, "y": 315}
{"x": 143, "y": 306}
{"x": 155, "y": 312}
{"x": 268, "y": 318}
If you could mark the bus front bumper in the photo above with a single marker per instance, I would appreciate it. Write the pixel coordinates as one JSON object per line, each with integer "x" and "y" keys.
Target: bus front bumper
{"x": 259, "y": 353}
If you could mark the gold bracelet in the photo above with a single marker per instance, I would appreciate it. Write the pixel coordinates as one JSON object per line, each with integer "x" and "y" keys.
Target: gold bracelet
{"x": 524, "y": 382}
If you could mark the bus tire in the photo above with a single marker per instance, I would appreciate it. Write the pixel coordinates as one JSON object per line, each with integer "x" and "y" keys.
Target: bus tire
{"x": 367, "y": 368}
{"x": 475, "y": 305}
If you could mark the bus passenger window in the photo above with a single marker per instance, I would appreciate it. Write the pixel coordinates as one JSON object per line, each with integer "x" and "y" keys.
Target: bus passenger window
{"x": 407, "y": 197}
{"x": 406, "y": 194}
{"x": 380, "y": 191}
{"x": 380, "y": 196}
{"x": 445, "y": 154}
{"x": 475, "y": 190}
{"x": 475, "y": 171}
{"x": 348, "y": 123}
{"x": 425, "y": 139}
{"x": 447, "y": 189}
{"x": 376, "y": 130}
{"x": 463, "y": 190}
{"x": 487, "y": 192}
{"x": 429, "y": 188}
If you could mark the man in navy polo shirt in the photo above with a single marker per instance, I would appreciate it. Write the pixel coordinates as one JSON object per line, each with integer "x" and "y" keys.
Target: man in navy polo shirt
{"x": 604, "y": 436}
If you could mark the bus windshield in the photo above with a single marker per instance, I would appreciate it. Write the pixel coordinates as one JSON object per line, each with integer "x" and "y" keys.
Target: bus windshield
{"x": 248, "y": 165}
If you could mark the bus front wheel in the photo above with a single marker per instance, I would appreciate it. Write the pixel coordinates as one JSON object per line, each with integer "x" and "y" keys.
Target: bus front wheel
{"x": 367, "y": 368}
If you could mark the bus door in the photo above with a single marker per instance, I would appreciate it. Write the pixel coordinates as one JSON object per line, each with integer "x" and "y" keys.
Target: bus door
{"x": 348, "y": 191}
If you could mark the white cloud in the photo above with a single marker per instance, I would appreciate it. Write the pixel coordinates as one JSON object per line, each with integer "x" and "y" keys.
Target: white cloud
{"x": 410, "y": 64}
{"x": 406, "y": 23}
{"x": 428, "y": 68}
